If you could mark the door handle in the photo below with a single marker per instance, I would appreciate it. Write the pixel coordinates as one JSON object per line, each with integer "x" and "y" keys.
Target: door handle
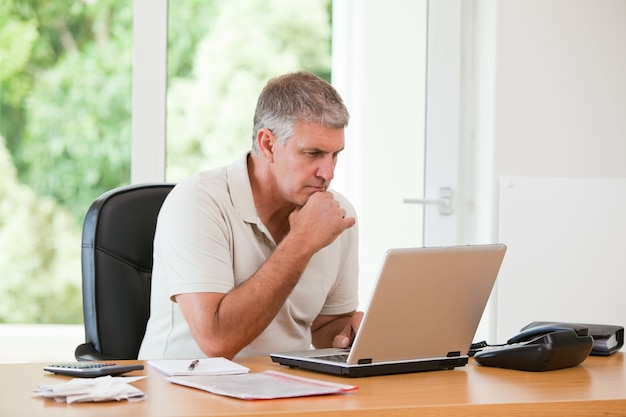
{"x": 445, "y": 202}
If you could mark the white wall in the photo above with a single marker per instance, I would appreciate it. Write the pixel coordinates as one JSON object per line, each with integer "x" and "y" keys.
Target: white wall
{"x": 560, "y": 99}
{"x": 566, "y": 243}
{"x": 558, "y": 109}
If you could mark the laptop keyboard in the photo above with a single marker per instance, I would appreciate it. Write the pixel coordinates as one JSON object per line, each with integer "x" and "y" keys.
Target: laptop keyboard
{"x": 341, "y": 357}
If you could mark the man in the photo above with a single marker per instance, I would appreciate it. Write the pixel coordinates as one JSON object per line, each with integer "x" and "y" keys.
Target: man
{"x": 258, "y": 256}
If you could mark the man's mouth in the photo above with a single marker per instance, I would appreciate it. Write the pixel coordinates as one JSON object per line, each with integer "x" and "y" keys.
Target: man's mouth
{"x": 317, "y": 188}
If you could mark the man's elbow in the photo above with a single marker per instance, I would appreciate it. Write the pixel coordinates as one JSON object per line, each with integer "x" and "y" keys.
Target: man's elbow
{"x": 215, "y": 348}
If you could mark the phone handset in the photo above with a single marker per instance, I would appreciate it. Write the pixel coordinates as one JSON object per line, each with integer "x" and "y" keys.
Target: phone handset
{"x": 536, "y": 332}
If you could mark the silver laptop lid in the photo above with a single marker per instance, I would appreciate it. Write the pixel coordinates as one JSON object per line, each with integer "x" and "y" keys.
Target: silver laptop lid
{"x": 427, "y": 303}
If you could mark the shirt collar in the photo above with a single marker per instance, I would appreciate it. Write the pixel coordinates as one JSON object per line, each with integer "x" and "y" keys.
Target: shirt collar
{"x": 241, "y": 190}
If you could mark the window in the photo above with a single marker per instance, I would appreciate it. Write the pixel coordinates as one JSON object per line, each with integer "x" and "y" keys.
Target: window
{"x": 220, "y": 54}
{"x": 66, "y": 89}
{"x": 65, "y": 85}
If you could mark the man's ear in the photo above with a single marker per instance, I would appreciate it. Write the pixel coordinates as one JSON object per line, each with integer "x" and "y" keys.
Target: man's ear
{"x": 265, "y": 141}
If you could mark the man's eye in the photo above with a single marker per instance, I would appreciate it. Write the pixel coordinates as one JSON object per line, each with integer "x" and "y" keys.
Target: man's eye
{"x": 312, "y": 154}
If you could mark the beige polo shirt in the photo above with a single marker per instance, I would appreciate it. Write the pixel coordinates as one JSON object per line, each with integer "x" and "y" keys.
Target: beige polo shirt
{"x": 210, "y": 239}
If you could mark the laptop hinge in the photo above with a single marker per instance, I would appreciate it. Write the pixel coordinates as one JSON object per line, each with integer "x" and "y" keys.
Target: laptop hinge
{"x": 365, "y": 361}
{"x": 455, "y": 353}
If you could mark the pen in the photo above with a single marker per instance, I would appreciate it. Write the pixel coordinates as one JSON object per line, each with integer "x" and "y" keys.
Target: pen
{"x": 193, "y": 364}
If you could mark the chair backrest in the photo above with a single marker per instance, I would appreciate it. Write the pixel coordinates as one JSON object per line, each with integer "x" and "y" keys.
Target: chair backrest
{"x": 117, "y": 245}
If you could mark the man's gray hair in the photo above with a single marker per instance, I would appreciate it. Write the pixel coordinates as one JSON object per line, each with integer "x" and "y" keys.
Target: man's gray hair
{"x": 297, "y": 96}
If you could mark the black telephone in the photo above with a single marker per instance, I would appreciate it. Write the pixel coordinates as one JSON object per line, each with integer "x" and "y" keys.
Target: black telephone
{"x": 541, "y": 348}
{"x": 528, "y": 334}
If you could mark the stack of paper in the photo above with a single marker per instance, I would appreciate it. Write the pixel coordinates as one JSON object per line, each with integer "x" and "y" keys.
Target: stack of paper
{"x": 206, "y": 366}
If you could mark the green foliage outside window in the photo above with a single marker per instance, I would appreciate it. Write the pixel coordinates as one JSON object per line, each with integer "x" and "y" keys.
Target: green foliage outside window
{"x": 65, "y": 117}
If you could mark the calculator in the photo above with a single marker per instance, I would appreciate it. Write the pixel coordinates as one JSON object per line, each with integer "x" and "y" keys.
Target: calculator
{"x": 90, "y": 369}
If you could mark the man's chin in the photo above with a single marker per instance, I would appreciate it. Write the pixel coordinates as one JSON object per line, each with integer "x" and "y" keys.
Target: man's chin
{"x": 300, "y": 201}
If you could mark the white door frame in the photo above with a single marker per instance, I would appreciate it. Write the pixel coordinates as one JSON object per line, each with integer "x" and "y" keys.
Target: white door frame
{"x": 443, "y": 122}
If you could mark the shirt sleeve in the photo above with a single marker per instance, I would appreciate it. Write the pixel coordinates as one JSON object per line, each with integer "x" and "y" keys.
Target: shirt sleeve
{"x": 192, "y": 242}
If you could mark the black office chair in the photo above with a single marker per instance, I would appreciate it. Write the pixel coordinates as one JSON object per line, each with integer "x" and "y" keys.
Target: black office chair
{"x": 117, "y": 270}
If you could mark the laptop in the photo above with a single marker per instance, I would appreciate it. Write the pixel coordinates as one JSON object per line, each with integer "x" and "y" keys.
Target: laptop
{"x": 422, "y": 314}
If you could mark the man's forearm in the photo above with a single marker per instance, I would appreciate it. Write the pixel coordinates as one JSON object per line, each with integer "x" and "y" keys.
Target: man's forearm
{"x": 241, "y": 315}
{"x": 324, "y": 334}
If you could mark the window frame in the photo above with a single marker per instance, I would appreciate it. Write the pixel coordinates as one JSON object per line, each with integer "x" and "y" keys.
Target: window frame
{"x": 149, "y": 91}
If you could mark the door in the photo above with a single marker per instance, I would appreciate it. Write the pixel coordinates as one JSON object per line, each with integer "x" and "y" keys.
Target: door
{"x": 442, "y": 126}
{"x": 458, "y": 171}
{"x": 379, "y": 68}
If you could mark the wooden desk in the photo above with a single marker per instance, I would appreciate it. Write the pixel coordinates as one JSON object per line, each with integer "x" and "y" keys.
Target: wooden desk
{"x": 596, "y": 387}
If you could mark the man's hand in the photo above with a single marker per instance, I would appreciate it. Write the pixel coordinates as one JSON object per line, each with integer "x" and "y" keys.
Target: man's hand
{"x": 335, "y": 331}
{"x": 346, "y": 337}
{"x": 320, "y": 220}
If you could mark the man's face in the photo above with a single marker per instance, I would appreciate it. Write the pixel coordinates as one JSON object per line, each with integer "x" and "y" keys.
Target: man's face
{"x": 306, "y": 163}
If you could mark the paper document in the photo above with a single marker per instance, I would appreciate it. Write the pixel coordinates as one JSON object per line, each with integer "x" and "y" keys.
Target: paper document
{"x": 104, "y": 388}
{"x": 206, "y": 366}
{"x": 262, "y": 385}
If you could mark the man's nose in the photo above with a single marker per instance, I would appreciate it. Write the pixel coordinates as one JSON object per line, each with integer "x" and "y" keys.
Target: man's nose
{"x": 326, "y": 168}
